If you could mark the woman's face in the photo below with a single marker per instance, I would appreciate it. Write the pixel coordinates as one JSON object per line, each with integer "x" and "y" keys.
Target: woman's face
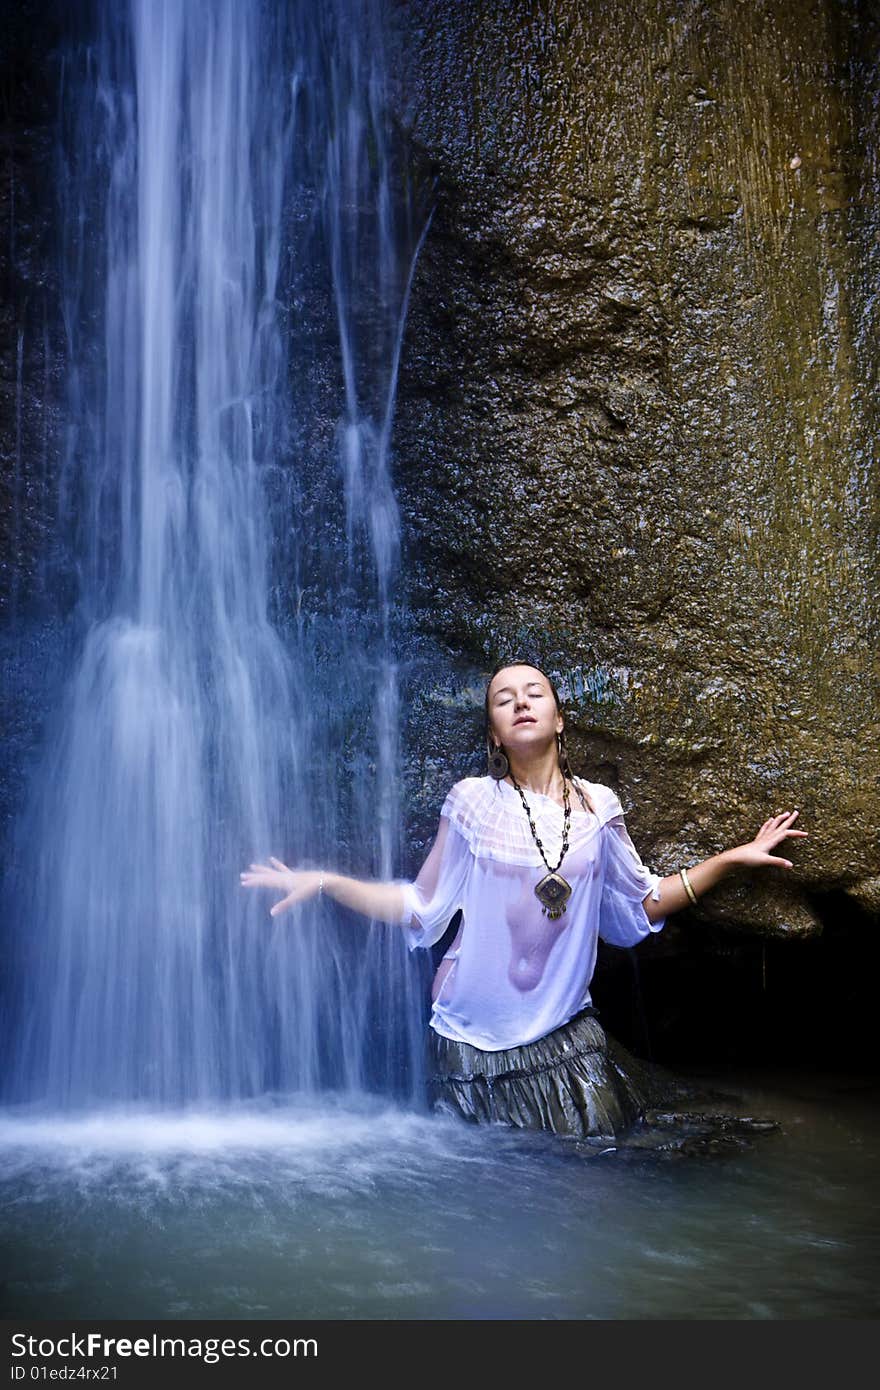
{"x": 522, "y": 710}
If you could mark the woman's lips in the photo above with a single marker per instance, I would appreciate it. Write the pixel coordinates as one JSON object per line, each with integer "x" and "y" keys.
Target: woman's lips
{"x": 527, "y": 720}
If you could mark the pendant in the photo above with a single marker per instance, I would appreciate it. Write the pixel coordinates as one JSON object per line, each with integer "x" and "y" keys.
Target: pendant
{"x": 553, "y": 893}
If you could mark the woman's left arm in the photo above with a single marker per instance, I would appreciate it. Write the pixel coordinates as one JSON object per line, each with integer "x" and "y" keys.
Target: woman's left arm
{"x": 702, "y": 877}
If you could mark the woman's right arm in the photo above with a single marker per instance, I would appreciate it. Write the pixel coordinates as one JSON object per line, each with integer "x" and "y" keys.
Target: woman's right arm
{"x": 422, "y": 908}
{"x": 382, "y": 902}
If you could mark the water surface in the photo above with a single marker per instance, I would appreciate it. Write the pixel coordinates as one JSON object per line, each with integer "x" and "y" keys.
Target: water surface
{"x": 351, "y": 1208}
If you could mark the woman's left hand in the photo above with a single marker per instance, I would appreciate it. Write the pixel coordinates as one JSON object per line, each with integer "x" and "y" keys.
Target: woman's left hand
{"x": 757, "y": 851}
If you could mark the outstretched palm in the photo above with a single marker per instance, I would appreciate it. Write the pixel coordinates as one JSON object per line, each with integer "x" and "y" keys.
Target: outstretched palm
{"x": 296, "y": 884}
{"x": 757, "y": 851}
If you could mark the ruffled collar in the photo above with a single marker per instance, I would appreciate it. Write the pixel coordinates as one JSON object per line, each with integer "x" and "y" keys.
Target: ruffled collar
{"x": 489, "y": 815}
{"x": 577, "y": 808}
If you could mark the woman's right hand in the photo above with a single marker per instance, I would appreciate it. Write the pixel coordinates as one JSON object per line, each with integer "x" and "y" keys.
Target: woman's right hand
{"x": 297, "y": 884}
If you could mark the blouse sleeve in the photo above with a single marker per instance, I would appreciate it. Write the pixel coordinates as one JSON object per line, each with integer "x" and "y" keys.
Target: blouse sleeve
{"x": 437, "y": 892}
{"x": 623, "y": 920}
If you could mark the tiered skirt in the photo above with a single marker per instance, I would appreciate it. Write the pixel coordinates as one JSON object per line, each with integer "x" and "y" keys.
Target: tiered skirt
{"x": 575, "y": 1081}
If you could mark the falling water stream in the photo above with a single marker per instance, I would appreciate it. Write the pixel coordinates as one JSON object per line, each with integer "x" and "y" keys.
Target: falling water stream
{"x": 214, "y": 153}
{"x": 208, "y": 1113}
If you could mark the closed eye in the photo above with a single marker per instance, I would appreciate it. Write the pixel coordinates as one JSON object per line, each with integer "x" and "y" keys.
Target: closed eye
{"x": 505, "y": 698}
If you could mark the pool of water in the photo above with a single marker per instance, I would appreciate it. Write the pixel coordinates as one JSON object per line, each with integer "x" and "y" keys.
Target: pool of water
{"x": 355, "y": 1209}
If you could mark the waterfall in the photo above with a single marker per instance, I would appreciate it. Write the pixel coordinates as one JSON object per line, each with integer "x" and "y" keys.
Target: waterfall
{"x": 239, "y": 232}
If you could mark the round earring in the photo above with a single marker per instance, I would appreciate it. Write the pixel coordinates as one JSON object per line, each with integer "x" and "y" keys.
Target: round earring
{"x": 498, "y": 764}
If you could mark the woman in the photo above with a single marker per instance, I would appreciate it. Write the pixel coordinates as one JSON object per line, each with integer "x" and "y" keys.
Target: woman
{"x": 541, "y": 864}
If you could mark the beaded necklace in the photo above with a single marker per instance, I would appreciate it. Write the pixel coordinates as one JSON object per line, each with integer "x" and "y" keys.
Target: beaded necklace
{"x": 553, "y": 891}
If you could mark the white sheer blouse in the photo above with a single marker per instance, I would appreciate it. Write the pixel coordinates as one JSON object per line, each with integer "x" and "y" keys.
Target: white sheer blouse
{"x": 515, "y": 974}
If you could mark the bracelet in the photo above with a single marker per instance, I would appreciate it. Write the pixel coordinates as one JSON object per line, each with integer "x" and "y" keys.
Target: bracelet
{"x": 687, "y": 886}
{"x": 321, "y": 885}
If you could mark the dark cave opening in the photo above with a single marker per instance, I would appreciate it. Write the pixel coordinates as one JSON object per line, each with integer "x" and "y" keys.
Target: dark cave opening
{"x": 719, "y": 997}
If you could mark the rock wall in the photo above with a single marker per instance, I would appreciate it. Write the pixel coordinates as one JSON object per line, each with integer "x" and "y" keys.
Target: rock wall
{"x": 636, "y": 431}
{"x": 35, "y": 584}
{"x": 636, "y": 425}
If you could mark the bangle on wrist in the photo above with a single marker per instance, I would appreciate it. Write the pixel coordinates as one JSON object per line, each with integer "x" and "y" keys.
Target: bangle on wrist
{"x": 687, "y": 886}
{"x": 321, "y": 885}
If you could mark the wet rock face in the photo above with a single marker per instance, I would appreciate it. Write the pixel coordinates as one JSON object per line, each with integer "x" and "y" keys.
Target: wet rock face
{"x": 35, "y": 586}
{"x": 636, "y": 431}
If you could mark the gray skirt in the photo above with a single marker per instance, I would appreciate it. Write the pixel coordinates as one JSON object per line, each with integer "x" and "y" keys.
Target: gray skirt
{"x": 575, "y": 1081}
